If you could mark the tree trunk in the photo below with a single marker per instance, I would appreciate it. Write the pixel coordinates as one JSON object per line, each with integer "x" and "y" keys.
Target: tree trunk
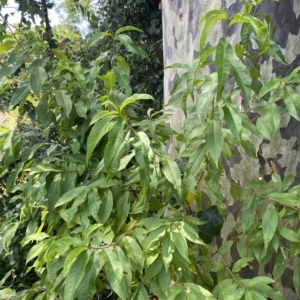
{"x": 181, "y": 43}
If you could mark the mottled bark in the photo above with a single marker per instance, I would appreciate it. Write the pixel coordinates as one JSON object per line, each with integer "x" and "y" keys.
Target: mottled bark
{"x": 181, "y": 39}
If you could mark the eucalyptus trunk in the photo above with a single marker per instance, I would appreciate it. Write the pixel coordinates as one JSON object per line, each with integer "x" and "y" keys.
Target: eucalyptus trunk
{"x": 281, "y": 155}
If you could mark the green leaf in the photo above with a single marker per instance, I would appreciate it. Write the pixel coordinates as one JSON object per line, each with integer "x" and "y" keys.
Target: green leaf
{"x": 154, "y": 236}
{"x": 109, "y": 81}
{"x": 13, "y": 176}
{"x": 276, "y": 53}
{"x": 134, "y": 253}
{"x": 269, "y": 86}
{"x": 285, "y": 198}
{"x": 125, "y": 160}
{"x": 292, "y": 101}
{"x": 172, "y": 173}
{"x": 19, "y": 95}
{"x": 180, "y": 244}
{"x": 131, "y": 47}
{"x": 96, "y": 134}
{"x": 122, "y": 65}
{"x": 153, "y": 270}
{"x": 188, "y": 232}
{"x": 214, "y": 140}
{"x": 47, "y": 167}
{"x": 241, "y": 263}
{"x": 64, "y": 100}
{"x": 207, "y": 94}
{"x": 9, "y": 234}
{"x": 178, "y": 83}
{"x": 296, "y": 278}
{"x": 269, "y": 123}
{"x": 35, "y": 250}
{"x": 34, "y": 237}
{"x": 168, "y": 247}
{"x": 135, "y": 98}
{"x": 75, "y": 275}
{"x": 6, "y": 45}
{"x": 86, "y": 289}
{"x": 151, "y": 223}
{"x": 196, "y": 160}
{"x": 37, "y": 79}
{"x": 224, "y": 55}
{"x": 103, "y": 113}
{"x": 235, "y": 192}
{"x": 279, "y": 266}
{"x": 257, "y": 281}
{"x": 225, "y": 247}
{"x": 269, "y": 224}
{"x": 233, "y": 121}
{"x": 95, "y": 38}
{"x": 127, "y": 28}
{"x": 72, "y": 258}
{"x": 7, "y": 293}
{"x": 289, "y": 234}
{"x": 114, "y": 148}
{"x": 114, "y": 271}
{"x": 122, "y": 209}
{"x": 198, "y": 291}
{"x": 242, "y": 77}
{"x": 106, "y": 207}
{"x": 210, "y": 19}
{"x": 70, "y": 195}
{"x": 191, "y": 76}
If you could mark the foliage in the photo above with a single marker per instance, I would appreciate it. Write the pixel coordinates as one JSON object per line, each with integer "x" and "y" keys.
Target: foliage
{"x": 103, "y": 210}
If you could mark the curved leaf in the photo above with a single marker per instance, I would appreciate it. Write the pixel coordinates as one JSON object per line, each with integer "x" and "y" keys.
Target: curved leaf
{"x": 37, "y": 79}
{"x": 96, "y": 134}
{"x": 214, "y": 140}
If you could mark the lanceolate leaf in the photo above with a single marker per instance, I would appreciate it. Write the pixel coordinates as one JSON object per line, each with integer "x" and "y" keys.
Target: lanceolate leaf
{"x": 269, "y": 123}
{"x": 207, "y": 94}
{"x": 196, "y": 160}
{"x": 242, "y": 77}
{"x": 279, "y": 266}
{"x": 292, "y": 101}
{"x": 114, "y": 272}
{"x": 37, "y": 79}
{"x": 172, "y": 173}
{"x": 269, "y": 86}
{"x": 122, "y": 209}
{"x": 75, "y": 275}
{"x": 127, "y": 28}
{"x": 224, "y": 55}
{"x": 96, "y": 134}
{"x": 112, "y": 149}
{"x": 135, "y": 98}
{"x": 209, "y": 20}
{"x": 64, "y": 100}
{"x": 269, "y": 224}
{"x": 72, "y": 258}
{"x": 95, "y": 38}
{"x": 87, "y": 287}
{"x": 233, "y": 121}
{"x": 20, "y": 94}
{"x": 296, "y": 277}
{"x": 276, "y": 53}
{"x": 214, "y": 140}
{"x": 134, "y": 252}
{"x": 70, "y": 195}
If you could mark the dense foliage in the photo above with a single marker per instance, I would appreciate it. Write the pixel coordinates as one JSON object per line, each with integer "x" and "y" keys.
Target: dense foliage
{"x": 101, "y": 210}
